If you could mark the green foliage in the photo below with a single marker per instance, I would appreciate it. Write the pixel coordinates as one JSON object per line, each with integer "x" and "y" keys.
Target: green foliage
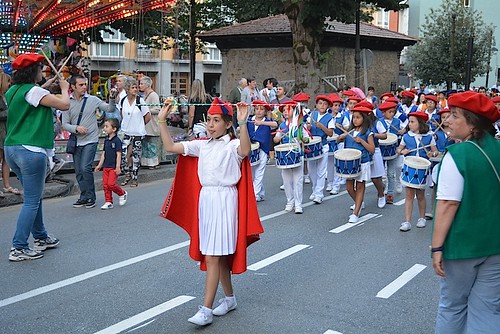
{"x": 430, "y": 59}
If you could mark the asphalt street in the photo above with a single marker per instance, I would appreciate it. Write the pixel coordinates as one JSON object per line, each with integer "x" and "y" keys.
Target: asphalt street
{"x": 128, "y": 270}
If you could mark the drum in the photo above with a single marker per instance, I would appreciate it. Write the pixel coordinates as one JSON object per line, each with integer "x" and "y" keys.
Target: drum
{"x": 254, "y": 154}
{"x": 332, "y": 144}
{"x": 415, "y": 171}
{"x": 348, "y": 163}
{"x": 288, "y": 156}
{"x": 313, "y": 150}
{"x": 388, "y": 146}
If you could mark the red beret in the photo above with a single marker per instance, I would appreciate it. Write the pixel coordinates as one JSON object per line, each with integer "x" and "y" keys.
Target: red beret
{"x": 420, "y": 114}
{"x": 355, "y": 98}
{"x": 443, "y": 110}
{"x": 289, "y": 102}
{"x": 408, "y": 94}
{"x": 496, "y": 99}
{"x": 262, "y": 103}
{"x": 365, "y": 104}
{"x": 387, "y": 105}
{"x": 386, "y": 94}
{"x": 476, "y": 103}
{"x": 335, "y": 98}
{"x": 27, "y": 59}
{"x": 392, "y": 99}
{"x": 301, "y": 97}
{"x": 220, "y": 107}
{"x": 348, "y": 93}
{"x": 362, "y": 109}
{"x": 325, "y": 98}
{"x": 414, "y": 91}
{"x": 432, "y": 98}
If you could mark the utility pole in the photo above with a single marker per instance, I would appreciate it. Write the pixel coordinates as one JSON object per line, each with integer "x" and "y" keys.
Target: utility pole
{"x": 357, "y": 48}
{"x": 449, "y": 82}
{"x": 470, "y": 49}
{"x": 489, "y": 57}
{"x": 192, "y": 43}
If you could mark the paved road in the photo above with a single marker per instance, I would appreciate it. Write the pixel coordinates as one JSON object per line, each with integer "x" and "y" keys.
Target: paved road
{"x": 127, "y": 270}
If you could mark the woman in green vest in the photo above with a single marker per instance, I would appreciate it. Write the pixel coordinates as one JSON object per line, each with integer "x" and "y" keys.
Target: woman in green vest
{"x": 28, "y": 145}
{"x": 466, "y": 236}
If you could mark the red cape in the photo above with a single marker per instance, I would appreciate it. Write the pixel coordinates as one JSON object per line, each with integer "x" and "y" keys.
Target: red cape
{"x": 181, "y": 207}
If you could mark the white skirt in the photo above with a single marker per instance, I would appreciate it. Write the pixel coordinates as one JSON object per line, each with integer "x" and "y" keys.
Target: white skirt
{"x": 377, "y": 167}
{"x": 365, "y": 172}
{"x": 218, "y": 219}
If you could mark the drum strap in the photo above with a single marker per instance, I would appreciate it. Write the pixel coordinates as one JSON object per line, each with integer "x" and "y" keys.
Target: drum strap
{"x": 487, "y": 158}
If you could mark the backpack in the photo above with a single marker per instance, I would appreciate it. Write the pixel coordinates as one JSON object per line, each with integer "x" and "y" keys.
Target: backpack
{"x": 138, "y": 105}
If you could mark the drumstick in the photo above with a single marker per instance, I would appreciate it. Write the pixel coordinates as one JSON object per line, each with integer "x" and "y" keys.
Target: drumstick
{"x": 344, "y": 130}
{"x": 65, "y": 62}
{"x": 395, "y": 128}
{"x": 51, "y": 65}
{"x": 419, "y": 148}
{"x": 439, "y": 125}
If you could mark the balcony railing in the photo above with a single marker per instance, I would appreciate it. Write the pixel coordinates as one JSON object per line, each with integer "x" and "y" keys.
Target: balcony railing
{"x": 147, "y": 55}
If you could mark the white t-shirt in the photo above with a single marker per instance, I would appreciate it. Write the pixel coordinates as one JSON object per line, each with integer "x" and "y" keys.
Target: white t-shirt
{"x": 450, "y": 181}
{"x": 133, "y": 118}
{"x": 380, "y": 127}
{"x": 418, "y": 138}
{"x": 331, "y": 123}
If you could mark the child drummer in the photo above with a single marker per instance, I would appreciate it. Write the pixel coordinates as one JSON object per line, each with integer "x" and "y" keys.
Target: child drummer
{"x": 292, "y": 177}
{"x": 320, "y": 124}
{"x": 259, "y": 130}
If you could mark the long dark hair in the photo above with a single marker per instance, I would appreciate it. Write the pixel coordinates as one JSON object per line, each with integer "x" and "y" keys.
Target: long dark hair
{"x": 481, "y": 125}
{"x": 231, "y": 132}
{"x": 367, "y": 123}
{"x": 423, "y": 127}
{"x": 26, "y": 75}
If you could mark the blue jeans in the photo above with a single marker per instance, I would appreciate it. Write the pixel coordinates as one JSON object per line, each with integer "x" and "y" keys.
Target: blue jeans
{"x": 30, "y": 168}
{"x": 83, "y": 159}
{"x": 469, "y": 296}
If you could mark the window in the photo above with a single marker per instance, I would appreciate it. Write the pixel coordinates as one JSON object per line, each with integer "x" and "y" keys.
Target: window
{"x": 116, "y": 37}
{"x": 467, "y": 3}
{"x": 213, "y": 54}
{"x": 383, "y": 19}
{"x": 107, "y": 50}
{"x": 179, "y": 83}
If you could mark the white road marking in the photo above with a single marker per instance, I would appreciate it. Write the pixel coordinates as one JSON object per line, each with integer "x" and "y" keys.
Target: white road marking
{"x": 142, "y": 325}
{"x": 401, "y": 202}
{"x": 331, "y": 332}
{"x": 146, "y": 315}
{"x": 399, "y": 282}
{"x": 280, "y": 256}
{"x": 362, "y": 219}
{"x": 90, "y": 274}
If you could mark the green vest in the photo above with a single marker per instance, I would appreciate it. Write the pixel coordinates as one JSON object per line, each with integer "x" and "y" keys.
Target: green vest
{"x": 27, "y": 125}
{"x": 475, "y": 231}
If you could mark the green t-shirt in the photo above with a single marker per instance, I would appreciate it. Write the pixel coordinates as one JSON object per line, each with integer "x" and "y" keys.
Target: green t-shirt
{"x": 26, "y": 124}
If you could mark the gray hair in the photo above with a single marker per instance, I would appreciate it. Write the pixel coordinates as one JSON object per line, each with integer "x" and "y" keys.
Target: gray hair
{"x": 130, "y": 82}
{"x": 147, "y": 81}
{"x": 242, "y": 80}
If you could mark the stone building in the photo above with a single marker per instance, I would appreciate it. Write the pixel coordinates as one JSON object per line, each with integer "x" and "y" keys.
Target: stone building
{"x": 262, "y": 48}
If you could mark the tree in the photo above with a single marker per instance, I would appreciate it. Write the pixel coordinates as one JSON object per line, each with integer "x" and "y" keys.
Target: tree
{"x": 307, "y": 22}
{"x": 441, "y": 54}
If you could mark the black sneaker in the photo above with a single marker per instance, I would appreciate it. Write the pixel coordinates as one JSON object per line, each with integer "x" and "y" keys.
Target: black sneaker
{"x": 24, "y": 254}
{"x": 79, "y": 204}
{"x": 43, "y": 244}
{"x": 89, "y": 204}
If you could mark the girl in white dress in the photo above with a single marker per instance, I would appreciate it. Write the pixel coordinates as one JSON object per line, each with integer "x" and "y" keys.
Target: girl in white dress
{"x": 219, "y": 170}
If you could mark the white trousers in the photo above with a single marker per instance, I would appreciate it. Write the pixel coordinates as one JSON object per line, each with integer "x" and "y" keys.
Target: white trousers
{"x": 293, "y": 179}
{"x": 258, "y": 175}
{"x": 317, "y": 173}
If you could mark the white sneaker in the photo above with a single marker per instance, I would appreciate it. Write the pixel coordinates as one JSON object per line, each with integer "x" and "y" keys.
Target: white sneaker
{"x": 259, "y": 198}
{"x": 317, "y": 200}
{"x": 421, "y": 222}
{"x": 107, "y": 206}
{"x": 354, "y": 205}
{"x": 353, "y": 219}
{"x": 334, "y": 191}
{"x": 381, "y": 202}
{"x": 399, "y": 188}
{"x": 282, "y": 187}
{"x": 328, "y": 187}
{"x": 227, "y": 304}
{"x": 307, "y": 179}
{"x": 123, "y": 199}
{"x": 311, "y": 197}
{"x": 405, "y": 227}
{"x": 203, "y": 317}
{"x": 289, "y": 207}
{"x": 298, "y": 210}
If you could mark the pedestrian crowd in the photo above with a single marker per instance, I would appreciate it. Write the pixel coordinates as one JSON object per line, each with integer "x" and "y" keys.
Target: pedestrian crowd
{"x": 407, "y": 140}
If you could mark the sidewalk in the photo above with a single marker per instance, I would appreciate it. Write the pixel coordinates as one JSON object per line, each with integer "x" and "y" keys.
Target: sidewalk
{"x": 64, "y": 184}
